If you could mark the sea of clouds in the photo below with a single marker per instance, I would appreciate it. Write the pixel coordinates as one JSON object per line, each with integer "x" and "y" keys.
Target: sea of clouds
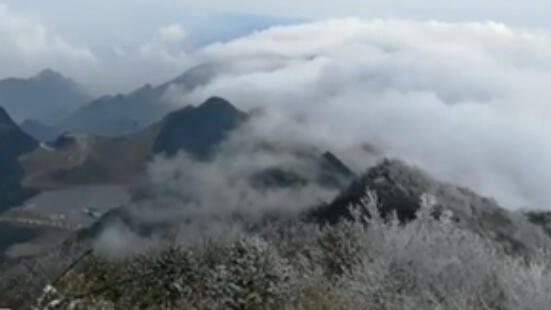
{"x": 468, "y": 102}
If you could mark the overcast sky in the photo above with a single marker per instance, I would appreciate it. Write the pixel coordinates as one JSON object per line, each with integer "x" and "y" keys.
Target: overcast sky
{"x": 532, "y": 12}
{"x": 118, "y": 45}
{"x": 114, "y": 46}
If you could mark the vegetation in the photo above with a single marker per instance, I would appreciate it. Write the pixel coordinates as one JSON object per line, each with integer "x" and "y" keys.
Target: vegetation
{"x": 369, "y": 262}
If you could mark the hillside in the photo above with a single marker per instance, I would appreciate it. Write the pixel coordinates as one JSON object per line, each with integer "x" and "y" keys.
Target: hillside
{"x": 97, "y": 160}
{"x": 13, "y": 143}
{"x": 198, "y": 131}
{"x": 124, "y": 114}
{"x": 399, "y": 187}
{"x": 449, "y": 245}
{"x": 47, "y": 97}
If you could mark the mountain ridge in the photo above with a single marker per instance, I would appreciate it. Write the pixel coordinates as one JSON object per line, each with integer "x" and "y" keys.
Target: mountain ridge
{"x": 399, "y": 188}
{"x": 47, "y": 96}
{"x": 124, "y": 114}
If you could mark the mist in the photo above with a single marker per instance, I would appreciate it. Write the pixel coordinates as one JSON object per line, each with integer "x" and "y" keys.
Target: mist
{"x": 185, "y": 200}
{"x": 464, "y": 101}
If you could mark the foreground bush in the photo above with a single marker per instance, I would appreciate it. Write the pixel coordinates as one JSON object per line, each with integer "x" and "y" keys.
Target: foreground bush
{"x": 366, "y": 263}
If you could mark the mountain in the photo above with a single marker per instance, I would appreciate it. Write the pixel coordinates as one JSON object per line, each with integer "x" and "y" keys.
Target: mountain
{"x": 196, "y": 130}
{"x": 121, "y": 115}
{"x": 78, "y": 161}
{"x": 199, "y": 130}
{"x": 328, "y": 172}
{"x": 334, "y": 173}
{"x": 87, "y": 159}
{"x": 47, "y": 97}
{"x": 39, "y": 130}
{"x": 540, "y": 218}
{"x": 399, "y": 188}
{"x": 13, "y": 143}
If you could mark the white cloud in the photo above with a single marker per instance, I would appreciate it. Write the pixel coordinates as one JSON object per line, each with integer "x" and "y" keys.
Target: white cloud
{"x": 168, "y": 44}
{"x": 162, "y": 56}
{"x": 109, "y": 52}
{"x": 522, "y": 13}
{"x": 127, "y": 27}
{"x": 28, "y": 46}
{"x": 466, "y": 101}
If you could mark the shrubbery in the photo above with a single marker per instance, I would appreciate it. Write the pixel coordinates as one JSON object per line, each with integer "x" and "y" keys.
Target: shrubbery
{"x": 366, "y": 263}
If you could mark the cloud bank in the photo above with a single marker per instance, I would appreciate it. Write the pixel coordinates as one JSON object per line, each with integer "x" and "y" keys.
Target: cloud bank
{"x": 466, "y": 102}
{"x": 190, "y": 200}
{"x": 469, "y": 102}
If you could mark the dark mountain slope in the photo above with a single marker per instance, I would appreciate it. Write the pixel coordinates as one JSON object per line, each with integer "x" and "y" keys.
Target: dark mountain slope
{"x": 328, "y": 171}
{"x": 199, "y": 130}
{"x": 88, "y": 160}
{"x": 540, "y": 218}
{"x": 13, "y": 143}
{"x": 399, "y": 188}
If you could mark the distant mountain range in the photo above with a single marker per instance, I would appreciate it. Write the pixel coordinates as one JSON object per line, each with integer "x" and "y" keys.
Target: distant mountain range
{"x": 74, "y": 160}
{"x": 49, "y": 104}
{"x": 47, "y": 97}
{"x": 198, "y": 130}
{"x": 120, "y": 115}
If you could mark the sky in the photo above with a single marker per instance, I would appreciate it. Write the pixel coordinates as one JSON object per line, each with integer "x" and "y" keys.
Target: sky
{"x": 116, "y": 46}
{"x": 460, "y": 90}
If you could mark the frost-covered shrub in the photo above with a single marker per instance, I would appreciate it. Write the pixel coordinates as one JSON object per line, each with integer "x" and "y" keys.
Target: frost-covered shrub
{"x": 369, "y": 262}
{"x": 431, "y": 263}
{"x": 253, "y": 276}
{"x": 246, "y": 274}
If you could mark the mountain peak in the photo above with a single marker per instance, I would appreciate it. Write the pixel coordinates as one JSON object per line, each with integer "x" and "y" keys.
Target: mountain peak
{"x": 218, "y": 104}
{"x": 195, "y": 77}
{"x": 49, "y": 74}
{"x": 47, "y": 96}
{"x": 198, "y": 130}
